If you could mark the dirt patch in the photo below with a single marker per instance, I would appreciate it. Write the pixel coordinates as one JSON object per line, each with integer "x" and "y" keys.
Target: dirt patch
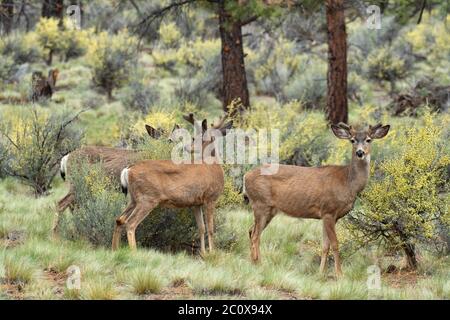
{"x": 401, "y": 279}
{"x": 178, "y": 290}
{"x": 14, "y": 238}
{"x": 58, "y": 279}
{"x": 13, "y": 289}
{"x": 284, "y": 294}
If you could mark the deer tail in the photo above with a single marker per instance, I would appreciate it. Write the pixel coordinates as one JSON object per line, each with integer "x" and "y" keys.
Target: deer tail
{"x": 124, "y": 180}
{"x": 246, "y": 201}
{"x": 63, "y": 166}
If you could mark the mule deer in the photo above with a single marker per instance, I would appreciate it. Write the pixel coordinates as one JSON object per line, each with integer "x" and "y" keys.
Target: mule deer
{"x": 42, "y": 87}
{"x": 112, "y": 159}
{"x": 163, "y": 183}
{"x": 326, "y": 192}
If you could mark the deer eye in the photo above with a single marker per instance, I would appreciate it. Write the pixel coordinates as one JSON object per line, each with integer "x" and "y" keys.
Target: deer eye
{"x": 352, "y": 140}
{"x": 368, "y": 140}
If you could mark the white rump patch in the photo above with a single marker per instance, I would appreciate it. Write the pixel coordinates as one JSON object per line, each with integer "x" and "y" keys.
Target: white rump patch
{"x": 124, "y": 178}
{"x": 63, "y": 165}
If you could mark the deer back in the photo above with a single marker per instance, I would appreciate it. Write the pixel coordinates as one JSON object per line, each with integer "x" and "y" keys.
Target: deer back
{"x": 175, "y": 185}
{"x": 308, "y": 192}
{"x": 112, "y": 159}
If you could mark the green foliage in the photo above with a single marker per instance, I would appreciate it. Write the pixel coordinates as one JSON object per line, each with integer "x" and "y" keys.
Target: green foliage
{"x": 111, "y": 58}
{"x": 382, "y": 65}
{"x": 403, "y": 204}
{"x": 7, "y": 68}
{"x": 169, "y": 34}
{"x": 21, "y": 47}
{"x": 33, "y": 142}
{"x": 99, "y": 202}
{"x": 140, "y": 95}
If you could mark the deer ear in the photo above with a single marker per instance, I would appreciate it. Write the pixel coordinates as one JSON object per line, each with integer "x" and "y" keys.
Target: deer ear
{"x": 204, "y": 125}
{"x": 152, "y": 132}
{"x": 379, "y": 131}
{"x": 227, "y": 126}
{"x": 341, "y": 130}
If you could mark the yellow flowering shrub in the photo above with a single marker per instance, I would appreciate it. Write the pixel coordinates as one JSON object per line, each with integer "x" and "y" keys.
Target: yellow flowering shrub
{"x": 383, "y": 65}
{"x": 33, "y": 142}
{"x": 169, "y": 33}
{"x": 111, "y": 57}
{"x": 50, "y": 36}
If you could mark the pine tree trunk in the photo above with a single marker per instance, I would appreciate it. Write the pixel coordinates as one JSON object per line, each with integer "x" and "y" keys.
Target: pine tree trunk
{"x": 53, "y": 9}
{"x": 50, "y": 58}
{"x": 7, "y": 15}
{"x": 337, "y": 109}
{"x": 233, "y": 67}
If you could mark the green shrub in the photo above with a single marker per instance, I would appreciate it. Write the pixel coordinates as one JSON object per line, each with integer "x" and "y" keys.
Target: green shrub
{"x": 384, "y": 65}
{"x": 33, "y": 142}
{"x": 402, "y": 205}
{"x": 50, "y": 37}
{"x": 111, "y": 57}
{"x": 140, "y": 95}
{"x": 99, "y": 202}
{"x": 21, "y": 48}
{"x": 7, "y": 68}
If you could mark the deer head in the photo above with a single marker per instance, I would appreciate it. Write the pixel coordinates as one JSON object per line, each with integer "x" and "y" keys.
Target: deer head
{"x": 360, "y": 139}
{"x": 204, "y": 138}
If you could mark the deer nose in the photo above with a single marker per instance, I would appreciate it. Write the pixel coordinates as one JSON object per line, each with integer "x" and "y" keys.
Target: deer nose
{"x": 360, "y": 153}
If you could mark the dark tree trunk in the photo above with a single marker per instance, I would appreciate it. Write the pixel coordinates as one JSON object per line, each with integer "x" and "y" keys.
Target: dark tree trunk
{"x": 408, "y": 248}
{"x": 410, "y": 254}
{"x": 50, "y": 57}
{"x": 53, "y": 9}
{"x": 7, "y": 15}
{"x": 233, "y": 67}
{"x": 337, "y": 109}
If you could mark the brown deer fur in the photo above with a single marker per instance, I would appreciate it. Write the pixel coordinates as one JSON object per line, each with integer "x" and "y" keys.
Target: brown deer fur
{"x": 43, "y": 87}
{"x": 113, "y": 160}
{"x": 326, "y": 193}
{"x": 163, "y": 183}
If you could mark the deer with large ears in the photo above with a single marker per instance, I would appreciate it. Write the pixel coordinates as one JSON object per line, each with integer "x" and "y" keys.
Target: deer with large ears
{"x": 164, "y": 183}
{"x": 326, "y": 192}
{"x": 112, "y": 159}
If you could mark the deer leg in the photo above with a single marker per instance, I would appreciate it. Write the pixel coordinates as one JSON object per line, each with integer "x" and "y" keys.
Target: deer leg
{"x": 263, "y": 215}
{"x": 119, "y": 225}
{"x": 140, "y": 212}
{"x": 210, "y": 208}
{"x": 63, "y": 204}
{"x": 330, "y": 224}
{"x": 325, "y": 248}
{"x": 201, "y": 228}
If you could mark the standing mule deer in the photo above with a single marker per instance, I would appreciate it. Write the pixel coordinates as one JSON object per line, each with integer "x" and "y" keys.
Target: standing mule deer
{"x": 112, "y": 159}
{"x": 42, "y": 87}
{"x": 326, "y": 192}
{"x": 164, "y": 183}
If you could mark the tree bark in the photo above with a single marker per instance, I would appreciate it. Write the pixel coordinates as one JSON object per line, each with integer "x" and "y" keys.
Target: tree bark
{"x": 410, "y": 254}
{"x": 337, "y": 107}
{"x": 233, "y": 66}
{"x": 53, "y": 9}
{"x": 7, "y": 15}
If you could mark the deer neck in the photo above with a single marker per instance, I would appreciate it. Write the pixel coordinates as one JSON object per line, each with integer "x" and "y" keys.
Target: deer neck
{"x": 358, "y": 174}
